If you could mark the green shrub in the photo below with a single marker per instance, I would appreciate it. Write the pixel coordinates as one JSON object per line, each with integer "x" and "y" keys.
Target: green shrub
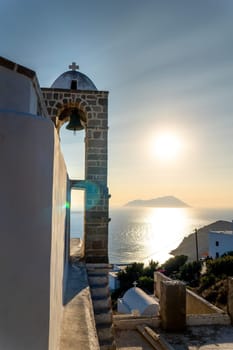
{"x": 129, "y": 275}
{"x": 151, "y": 268}
{"x": 146, "y": 283}
{"x": 220, "y": 266}
{"x": 227, "y": 253}
{"x": 206, "y": 281}
{"x": 190, "y": 273}
{"x": 173, "y": 265}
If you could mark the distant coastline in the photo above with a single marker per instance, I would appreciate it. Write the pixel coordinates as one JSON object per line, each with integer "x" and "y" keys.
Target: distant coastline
{"x": 160, "y": 202}
{"x": 188, "y": 244}
{"x": 129, "y": 223}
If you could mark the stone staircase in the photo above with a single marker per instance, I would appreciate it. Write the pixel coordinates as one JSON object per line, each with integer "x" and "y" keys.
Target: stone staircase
{"x": 99, "y": 287}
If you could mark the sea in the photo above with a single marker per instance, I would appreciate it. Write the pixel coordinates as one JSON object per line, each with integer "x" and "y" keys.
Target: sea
{"x": 141, "y": 234}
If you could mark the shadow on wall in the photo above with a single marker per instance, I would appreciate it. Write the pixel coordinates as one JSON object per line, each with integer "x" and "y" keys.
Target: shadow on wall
{"x": 76, "y": 281}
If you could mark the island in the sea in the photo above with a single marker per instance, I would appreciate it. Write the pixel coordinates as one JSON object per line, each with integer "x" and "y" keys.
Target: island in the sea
{"x": 160, "y": 202}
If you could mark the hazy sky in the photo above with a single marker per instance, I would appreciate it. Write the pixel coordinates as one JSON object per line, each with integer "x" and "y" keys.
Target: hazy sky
{"x": 168, "y": 67}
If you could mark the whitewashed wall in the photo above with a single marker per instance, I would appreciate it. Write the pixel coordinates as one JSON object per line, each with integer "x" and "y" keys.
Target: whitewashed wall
{"x": 17, "y": 92}
{"x": 33, "y": 184}
{"x": 220, "y": 243}
{"x": 59, "y": 250}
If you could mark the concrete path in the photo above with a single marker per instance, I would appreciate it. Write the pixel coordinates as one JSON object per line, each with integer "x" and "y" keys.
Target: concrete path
{"x": 131, "y": 340}
{"x": 78, "y": 328}
{"x": 194, "y": 338}
{"x": 202, "y": 338}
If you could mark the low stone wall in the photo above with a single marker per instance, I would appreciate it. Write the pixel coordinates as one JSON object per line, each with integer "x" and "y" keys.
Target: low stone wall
{"x": 131, "y": 322}
{"x": 158, "y": 277}
{"x": 208, "y": 319}
{"x": 194, "y": 303}
{"x": 197, "y": 305}
{"x": 173, "y": 305}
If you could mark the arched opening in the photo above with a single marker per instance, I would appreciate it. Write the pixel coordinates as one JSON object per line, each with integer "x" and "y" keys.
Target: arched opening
{"x": 77, "y": 221}
{"x": 73, "y": 85}
{"x": 71, "y": 128}
{"x": 77, "y": 213}
{"x": 73, "y": 149}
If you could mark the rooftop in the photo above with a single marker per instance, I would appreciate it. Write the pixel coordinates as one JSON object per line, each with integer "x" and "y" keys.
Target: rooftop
{"x": 73, "y": 80}
{"x": 222, "y": 232}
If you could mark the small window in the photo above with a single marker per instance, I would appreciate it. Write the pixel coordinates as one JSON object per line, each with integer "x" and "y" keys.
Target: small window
{"x": 217, "y": 243}
{"x": 73, "y": 85}
{"x": 217, "y": 255}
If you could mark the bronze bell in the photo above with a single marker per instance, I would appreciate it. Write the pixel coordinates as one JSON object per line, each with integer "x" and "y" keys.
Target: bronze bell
{"x": 75, "y": 121}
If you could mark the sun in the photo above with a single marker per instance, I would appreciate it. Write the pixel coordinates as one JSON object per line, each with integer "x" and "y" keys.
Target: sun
{"x": 167, "y": 146}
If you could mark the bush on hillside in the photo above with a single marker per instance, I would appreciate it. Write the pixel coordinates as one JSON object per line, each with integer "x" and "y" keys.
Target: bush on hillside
{"x": 151, "y": 268}
{"x": 227, "y": 253}
{"x": 137, "y": 272}
{"x": 146, "y": 283}
{"x": 173, "y": 265}
{"x": 206, "y": 281}
{"x": 220, "y": 266}
{"x": 190, "y": 273}
{"x": 217, "y": 293}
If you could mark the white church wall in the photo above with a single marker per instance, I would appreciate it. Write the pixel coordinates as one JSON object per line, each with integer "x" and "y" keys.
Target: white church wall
{"x": 122, "y": 307}
{"x": 17, "y": 92}
{"x": 32, "y": 213}
{"x": 58, "y": 244}
{"x": 135, "y": 300}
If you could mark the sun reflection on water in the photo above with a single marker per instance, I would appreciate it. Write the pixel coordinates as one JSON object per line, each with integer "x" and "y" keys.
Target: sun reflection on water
{"x": 167, "y": 227}
{"x": 142, "y": 234}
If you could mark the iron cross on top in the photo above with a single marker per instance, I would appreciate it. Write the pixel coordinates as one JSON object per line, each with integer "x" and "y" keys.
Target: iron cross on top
{"x": 73, "y": 66}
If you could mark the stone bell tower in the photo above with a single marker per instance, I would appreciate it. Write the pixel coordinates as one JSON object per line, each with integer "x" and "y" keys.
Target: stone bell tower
{"x": 74, "y": 98}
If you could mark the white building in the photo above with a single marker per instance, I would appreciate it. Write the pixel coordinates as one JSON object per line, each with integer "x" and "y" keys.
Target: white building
{"x": 220, "y": 242}
{"x": 113, "y": 280}
{"x": 33, "y": 187}
{"x": 136, "y": 301}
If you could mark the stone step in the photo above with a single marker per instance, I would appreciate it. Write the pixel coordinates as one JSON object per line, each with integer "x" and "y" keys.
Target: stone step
{"x": 105, "y": 334}
{"x": 98, "y": 269}
{"x": 97, "y": 273}
{"x": 102, "y": 292}
{"x": 94, "y": 280}
{"x": 108, "y": 345}
{"x": 101, "y": 310}
{"x": 103, "y": 318}
{"x": 90, "y": 266}
{"x": 101, "y": 300}
{"x": 104, "y": 325}
{"x": 101, "y": 303}
{"x": 101, "y": 297}
{"x": 98, "y": 285}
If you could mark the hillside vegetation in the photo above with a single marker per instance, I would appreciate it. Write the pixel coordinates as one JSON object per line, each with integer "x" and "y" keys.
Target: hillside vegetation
{"x": 208, "y": 278}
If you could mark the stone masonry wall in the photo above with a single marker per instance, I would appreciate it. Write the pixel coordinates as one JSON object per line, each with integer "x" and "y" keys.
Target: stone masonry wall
{"x": 194, "y": 303}
{"x": 94, "y": 105}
